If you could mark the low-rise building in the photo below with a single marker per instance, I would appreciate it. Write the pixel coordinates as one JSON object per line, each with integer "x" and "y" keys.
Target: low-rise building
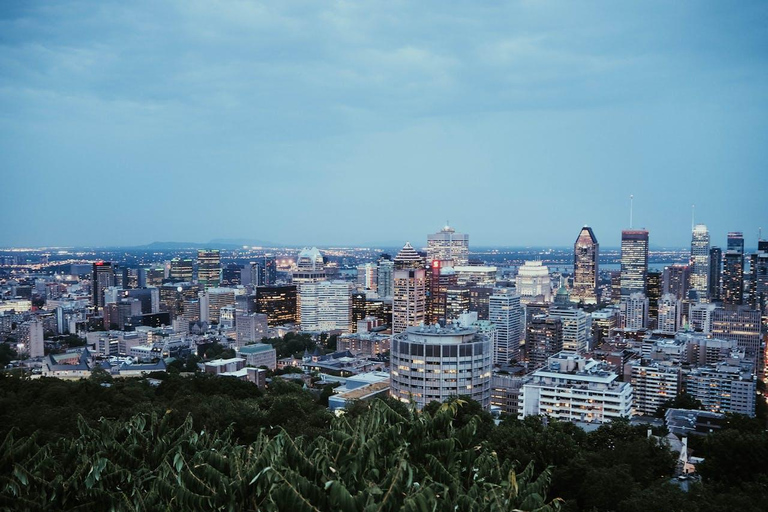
{"x": 259, "y": 354}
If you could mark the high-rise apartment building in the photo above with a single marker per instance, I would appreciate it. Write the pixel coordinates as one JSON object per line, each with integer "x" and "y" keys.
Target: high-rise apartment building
{"x": 722, "y": 388}
{"x": 742, "y": 324}
{"x": 386, "y": 269}
{"x": 431, "y": 363}
{"x": 733, "y": 277}
{"x": 577, "y": 327}
{"x": 675, "y": 280}
{"x": 448, "y": 246}
{"x": 700, "y": 262}
{"x": 208, "y": 267}
{"x": 543, "y": 339}
{"x": 586, "y": 253}
{"x": 508, "y": 315}
{"x": 669, "y": 314}
{"x": 634, "y": 310}
{"x": 634, "y": 262}
{"x": 368, "y": 276}
{"x": 715, "y": 273}
{"x": 102, "y": 278}
{"x": 653, "y": 384}
{"x": 409, "y": 302}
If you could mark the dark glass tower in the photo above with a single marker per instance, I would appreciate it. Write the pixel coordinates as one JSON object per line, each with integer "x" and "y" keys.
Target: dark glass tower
{"x": 715, "y": 273}
{"x": 634, "y": 261}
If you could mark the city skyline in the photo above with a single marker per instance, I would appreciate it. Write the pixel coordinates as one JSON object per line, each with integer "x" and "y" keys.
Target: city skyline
{"x": 128, "y": 124}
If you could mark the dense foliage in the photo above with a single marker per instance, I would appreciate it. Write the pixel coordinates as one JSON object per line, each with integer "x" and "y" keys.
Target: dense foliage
{"x": 211, "y": 443}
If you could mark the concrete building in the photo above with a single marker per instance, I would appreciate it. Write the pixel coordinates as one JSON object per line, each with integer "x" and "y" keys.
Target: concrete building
{"x": 250, "y": 327}
{"x": 742, "y": 324}
{"x": 700, "y": 317}
{"x": 385, "y": 277}
{"x": 634, "y": 311}
{"x": 475, "y": 275}
{"x": 211, "y": 302}
{"x": 367, "y": 277}
{"x": 364, "y": 345}
{"x": 431, "y": 363}
{"x": 505, "y": 392}
{"x": 326, "y": 306}
{"x": 409, "y": 302}
{"x": 573, "y": 388}
{"x": 669, "y": 314}
{"x": 533, "y": 282}
{"x": 577, "y": 327}
{"x": 543, "y": 339}
{"x": 723, "y": 388}
{"x": 653, "y": 383}
{"x": 30, "y": 338}
{"x": 259, "y": 354}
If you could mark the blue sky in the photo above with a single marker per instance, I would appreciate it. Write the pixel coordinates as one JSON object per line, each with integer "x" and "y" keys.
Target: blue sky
{"x": 363, "y": 122}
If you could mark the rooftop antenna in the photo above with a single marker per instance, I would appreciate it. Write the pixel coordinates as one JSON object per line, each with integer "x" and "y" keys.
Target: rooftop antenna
{"x": 631, "y": 205}
{"x": 693, "y": 215}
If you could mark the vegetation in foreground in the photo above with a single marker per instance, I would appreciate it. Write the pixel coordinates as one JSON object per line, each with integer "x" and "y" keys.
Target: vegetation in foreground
{"x": 203, "y": 443}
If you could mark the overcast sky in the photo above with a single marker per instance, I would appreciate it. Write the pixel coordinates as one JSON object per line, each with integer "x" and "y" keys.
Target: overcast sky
{"x": 375, "y": 122}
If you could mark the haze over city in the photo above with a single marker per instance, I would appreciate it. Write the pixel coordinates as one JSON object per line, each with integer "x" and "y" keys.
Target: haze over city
{"x": 306, "y": 123}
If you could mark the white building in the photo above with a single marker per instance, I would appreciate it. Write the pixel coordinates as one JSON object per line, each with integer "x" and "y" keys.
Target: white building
{"x": 211, "y": 302}
{"x": 634, "y": 311}
{"x": 508, "y": 315}
{"x": 431, "y": 363}
{"x": 669, "y": 314}
{"x": 653, "y": 383}
{"x": 700, "y": 317}
{"x": 577, "y": 327}
{"x": 31, "y": 340}
{"x": 326, "y": 306}
{"x": 367, "y": 276}
{"x": 409, "y": 303}
{"x": 259, "y": 354}
{"x": 572, "y": 388}
{"x": 475, "y": 275}
{"x": 533, "y": 280}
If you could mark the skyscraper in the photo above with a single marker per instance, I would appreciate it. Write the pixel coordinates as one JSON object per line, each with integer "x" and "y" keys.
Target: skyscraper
{"x": 669, "y": 314}
{"x": 733, "y": 278}
{"x": 634, "y": 261}
{"x": 208, "y": 267}
{"x": 409, "y": 302}
{"x": 675, "y": 280}
{"x": 367, "y": 276}
{"x": 758, "y": 284}
{"x": 700, "y": 261}
{"x": 102, "y": 278}
{"x": 385, "y": 276}
{"x": 181, "y": 270}
{"x": 736, "y": 242}
{"x": 408, "y": 258}
{"x": 634, "y": 310}
{"x": 448, "y": 246}
{"x": 654, "y": 295}
{"x": 268, "y": 271}
{"x": 279, "y": 303}
{"x": 508, "y": 315}
{"x": 310, "y": 266}
{"x": 326, "y": 306}
{"x": 586, "y": 252}
{"x": 715, "y": 273}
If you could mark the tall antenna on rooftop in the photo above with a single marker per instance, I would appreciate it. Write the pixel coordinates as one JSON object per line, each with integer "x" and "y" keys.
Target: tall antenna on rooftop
{"x": 631, "y": 206}
{"x": 693, "y": 216}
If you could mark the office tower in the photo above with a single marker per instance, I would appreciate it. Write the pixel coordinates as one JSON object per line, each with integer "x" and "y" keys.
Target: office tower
{"x": 543, "y": 339}
{"x": 586, "y": 253}
{"x": 736, "y": 242}
{"x": 102, "y": 278}
{"x": 476, "y": 275}
{"x": 181, "y": 270}
{"x": 715, "y": 273}
{"x": 368, "y": 276}
{"x": 173, "y": 297}
{"x": 433, "y": 364}
{"x": 211, "y": 302}
{"x": 231, "y": 275}
{"x": 758, "y": 283}
{"x": 151, "y": 276}
{"x": 669, "y": 314}
{"x": 409, "y": 302}
{"x": 279, "y": 303}
{"x": 508, "y": 315}
{"x": 149, "y": 298}
{"x": 131, "y": 278}
{"x": 615, "y": 287}
{"x": 359, "y": 307}
{"x": 456, "y": 302}
{"x": 700, "y": 317}
{"x": 326, "y": 306}
{"x": 573, "y": 388}
{"x": 268, "y": 266}
{"x": 653, "y": 384}
{"x": 733, "y": 277}
{"x": 385, "y": 276}
{"x": 742, "y": 324}
{"x": 654, "y": 294}
{"x": 408, "y": 258}
{"x": 634, "y": 311}
{"x": 577, "y": 326}
{"x": 533, "y": 282}
{"x": 700, "y": 262}
{"x": 310, "y": 266}
{"x": 441, "y": 279}
{"x": 448, "y": 246}
{"x": 479, "y": 300}
{"x": 634, "y": 262}
{"x": 675, "y": 280}
{"x": 208, "y": 267}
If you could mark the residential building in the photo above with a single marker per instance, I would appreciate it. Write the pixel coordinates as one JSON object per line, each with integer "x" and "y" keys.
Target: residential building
{"x": 508, "y": 315}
